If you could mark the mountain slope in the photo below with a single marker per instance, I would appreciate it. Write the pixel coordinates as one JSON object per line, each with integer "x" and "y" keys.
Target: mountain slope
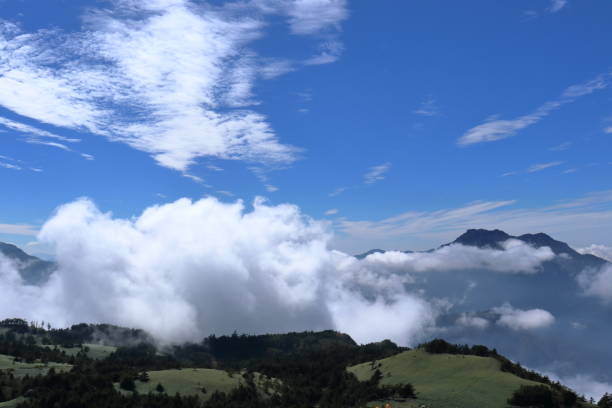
{"x": 445, "y": 380}
{"x": 33, "y": 270}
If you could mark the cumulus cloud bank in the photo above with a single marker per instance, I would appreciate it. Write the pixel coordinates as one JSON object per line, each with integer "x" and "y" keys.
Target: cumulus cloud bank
{"x": 515, "y": 257}
{"x": 187, "y": 269}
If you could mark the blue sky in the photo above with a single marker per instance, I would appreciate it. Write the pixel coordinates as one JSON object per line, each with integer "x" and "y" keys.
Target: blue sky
{"x": 402, "y": 123}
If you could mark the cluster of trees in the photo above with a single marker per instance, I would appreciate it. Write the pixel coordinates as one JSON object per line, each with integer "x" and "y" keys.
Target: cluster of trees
{"x": 605, "y": 401}
{"x": 24, "y": 348}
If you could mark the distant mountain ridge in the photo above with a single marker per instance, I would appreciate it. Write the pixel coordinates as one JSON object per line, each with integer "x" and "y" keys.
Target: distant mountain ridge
{"x": 33, "y": 270}
{"x": 483, "y": 238}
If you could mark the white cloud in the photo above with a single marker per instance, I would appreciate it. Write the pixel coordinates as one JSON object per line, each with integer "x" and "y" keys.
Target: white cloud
{"x": 33, "y": 131}
{"x": 557, "y": 5}
{"x": 18, "y": 229}
{"x": 578, "y": 221}
{"x": 376, "y": 173}
{"x": 332, "y": 211}
{"x": 563, "y": 146}
{"x": 514, "y": 257}
{"x": 608, "y": 130}
{"x": 428, "y": 107}
{"x": 584, "y": 385}
{"x": 172, "y": 80}
{"x": 496, "y": 129}
{"x": 262, "y": 176}
{"x": 10, "y": 166}
{"x": 601, "y": 251}
{"x": 329, "y": 52}
{"x": 308, "y": 17}
{"x": 542, "y": 166}
{"x": 338, "y": 191}
{"x": 213, "y": 167}
{"x": 34, "y": 135}
{"x": 476, "y": 322}
{"x": 187, "y": 269}
{"x": 597, "y": 282}
{"x": 517, "y": 319}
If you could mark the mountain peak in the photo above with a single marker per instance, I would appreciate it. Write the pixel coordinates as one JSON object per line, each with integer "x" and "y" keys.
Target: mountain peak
{"x": 540, "y": 239}
{"x": 483, "y": 238}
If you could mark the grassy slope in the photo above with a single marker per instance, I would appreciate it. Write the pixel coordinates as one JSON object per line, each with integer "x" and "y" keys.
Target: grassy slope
{"x": 96, "y": 351}
{"x": 445, "y": 381}
{"x": 12, "y": 403}
{"x": 33, "y": 369}
{"x": 190, "y": 381}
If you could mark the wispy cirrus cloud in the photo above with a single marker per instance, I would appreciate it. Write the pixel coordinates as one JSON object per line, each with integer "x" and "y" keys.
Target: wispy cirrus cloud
{"x": 376, "y": 173}
{"x": 428, "y": 107}
{"x": 15, "y": 164}
{"x": 543, "y": 166}
{"x": 497, "y": 129}
{"x": 557, "y": 5}
{"x": 34, "y": 135}
{"x": 172, "y": 78}
{"x": 338, "y": 191}
{"x": 580, "y": 221}
{"x": 561, "y": 147}
{"x": 18, "y": 229}
{"x": 10, "y": 166}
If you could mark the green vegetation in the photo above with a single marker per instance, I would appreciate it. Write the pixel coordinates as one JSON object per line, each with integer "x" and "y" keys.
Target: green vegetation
{"x": 445, "y": 380}
{"x": 94, "y": 351}
{"x": 21, "y": 369}
{"x": 192, "y": 381}
{"x": 12, "y": 403}
{"x": 63, "y": 369}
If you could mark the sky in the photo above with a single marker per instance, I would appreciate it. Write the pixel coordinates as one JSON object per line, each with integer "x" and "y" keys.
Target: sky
{"x": 399, "y": 124}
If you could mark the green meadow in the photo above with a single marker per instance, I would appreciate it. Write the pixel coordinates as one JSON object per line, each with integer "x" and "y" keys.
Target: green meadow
{"x": 193, "y": 381}
{"x": 20, "y": 369}
{"x": 445, "y": 380}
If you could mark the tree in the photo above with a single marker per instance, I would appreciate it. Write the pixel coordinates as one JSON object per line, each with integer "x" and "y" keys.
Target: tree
{"x": 532, "y": 396}
{"x": 406, "y": 391}
{"x": 605, "y": 401}
{"x": 159, "y": 388}
{"x": 127, "y": 383}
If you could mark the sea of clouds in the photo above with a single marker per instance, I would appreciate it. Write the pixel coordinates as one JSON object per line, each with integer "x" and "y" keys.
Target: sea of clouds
{"x": 187, "y": 269}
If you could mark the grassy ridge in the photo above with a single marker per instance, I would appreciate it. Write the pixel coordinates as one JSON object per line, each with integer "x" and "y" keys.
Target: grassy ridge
{"x": 191, "y": 381}
{"x": 12, "y": 403}
{"x": 445, "y": 380}
{"x": 96, "y": 351}
{"x": 20, "y": 369}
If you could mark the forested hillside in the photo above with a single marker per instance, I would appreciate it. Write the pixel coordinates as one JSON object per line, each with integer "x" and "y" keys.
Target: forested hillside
{"x": 45, "y": 367}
